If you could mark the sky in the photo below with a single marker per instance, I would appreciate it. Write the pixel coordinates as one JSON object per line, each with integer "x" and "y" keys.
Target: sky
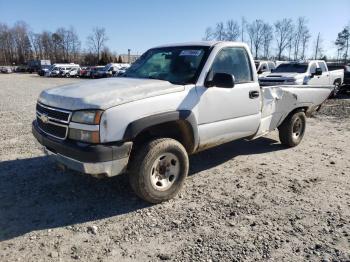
{"x": 142, "y": 24}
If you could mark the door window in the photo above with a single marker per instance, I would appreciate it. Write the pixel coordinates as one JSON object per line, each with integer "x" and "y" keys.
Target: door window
{"x": 322, "y": 66}
{"x": 234, "y": 61}
{"x": 313, "y": 67}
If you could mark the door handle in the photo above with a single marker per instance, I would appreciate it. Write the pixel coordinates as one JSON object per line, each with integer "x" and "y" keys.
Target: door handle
{"x": 254, "y": 94}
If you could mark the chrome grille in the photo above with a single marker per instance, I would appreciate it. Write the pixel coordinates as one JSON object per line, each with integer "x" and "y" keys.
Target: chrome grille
{"x": 53, "y": 121}
{"x": 59, "y": 115}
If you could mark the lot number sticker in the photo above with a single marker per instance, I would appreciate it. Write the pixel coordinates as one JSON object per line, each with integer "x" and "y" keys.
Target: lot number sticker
{"x": 190, "y": 52}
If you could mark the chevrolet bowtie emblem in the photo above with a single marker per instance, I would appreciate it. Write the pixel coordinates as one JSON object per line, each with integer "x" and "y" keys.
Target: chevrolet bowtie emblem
{"x": 44, "y": 118}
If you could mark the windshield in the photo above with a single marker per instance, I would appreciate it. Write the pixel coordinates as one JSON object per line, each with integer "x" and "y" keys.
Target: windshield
{"x": 178, "y": 65}
{"x": 291, "y": 68}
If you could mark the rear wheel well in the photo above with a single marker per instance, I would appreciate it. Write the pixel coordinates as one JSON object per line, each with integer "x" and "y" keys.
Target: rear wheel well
{"x": 299, "y": 109}
{"x": 296, "y": 110}
{"x": 179, "y": 130}
{"x": 338, "y": 80}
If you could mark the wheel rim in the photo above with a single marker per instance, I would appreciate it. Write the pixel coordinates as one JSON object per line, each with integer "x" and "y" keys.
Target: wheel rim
{"x": 165, "y": 171}
{"x": 297, "y": 128}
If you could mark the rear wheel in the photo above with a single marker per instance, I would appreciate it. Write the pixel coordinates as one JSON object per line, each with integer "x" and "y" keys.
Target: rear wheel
{"x": 336, "y": 89}
{"x": 158, "y": 171}
{"x": 292, "y": 130}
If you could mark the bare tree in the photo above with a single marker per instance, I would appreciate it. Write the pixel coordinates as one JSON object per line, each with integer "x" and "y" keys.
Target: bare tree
{"x": 290, "y": 46}
{"x": 22, "y": 42}
{"x": 220, "y": 33}
{"x": 318, "y": 46}
{"x": 342, "y": 43}
{"x": 6, "y": 44}
{"x": 299, "y": 33}
{"x": 232, "y": 30}
{"x": 33, "y": 38}
{"x": 97, "y": 40}
{"x": 255, "y": 32}
{"x": 283, "y": 32}
{"x": 267, "y": 33}
{"x": 304, "y": 42}
{"x": 209, "y": 34}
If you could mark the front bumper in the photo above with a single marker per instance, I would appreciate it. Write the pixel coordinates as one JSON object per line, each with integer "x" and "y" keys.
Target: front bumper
{"x": 96, "y": 160}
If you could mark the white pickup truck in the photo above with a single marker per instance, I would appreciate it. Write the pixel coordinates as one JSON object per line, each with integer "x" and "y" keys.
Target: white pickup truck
{"x": 175, "y": 100}
{"x": 314, "y": 72}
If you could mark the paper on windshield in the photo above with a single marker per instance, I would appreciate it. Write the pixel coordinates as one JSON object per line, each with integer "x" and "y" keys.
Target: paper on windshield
{"x": 190, "y": 52}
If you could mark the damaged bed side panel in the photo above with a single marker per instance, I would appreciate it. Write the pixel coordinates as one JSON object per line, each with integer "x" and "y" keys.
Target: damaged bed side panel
{"x": 279, "y": 101}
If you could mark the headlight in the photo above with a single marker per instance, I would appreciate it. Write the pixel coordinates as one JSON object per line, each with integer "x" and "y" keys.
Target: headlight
{"x": 91, "y": 117}
{"x": 84, "y": 135}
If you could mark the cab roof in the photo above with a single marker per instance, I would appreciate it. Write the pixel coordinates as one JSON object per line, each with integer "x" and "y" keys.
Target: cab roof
{"x": 201, "y": 43}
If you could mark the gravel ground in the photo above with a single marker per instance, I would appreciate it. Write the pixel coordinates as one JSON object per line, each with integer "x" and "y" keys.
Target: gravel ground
{"x": 242, "y": 201}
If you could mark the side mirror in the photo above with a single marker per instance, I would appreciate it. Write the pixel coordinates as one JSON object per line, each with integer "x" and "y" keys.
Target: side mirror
{"x": 223, "y": 80}
{"x": 318, "y": 71}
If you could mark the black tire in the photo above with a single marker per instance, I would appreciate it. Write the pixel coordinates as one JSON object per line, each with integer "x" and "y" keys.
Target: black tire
{"x": 292, "y": 130}
{"x": 336, "y": 90}
{"x": 143, "y": 173}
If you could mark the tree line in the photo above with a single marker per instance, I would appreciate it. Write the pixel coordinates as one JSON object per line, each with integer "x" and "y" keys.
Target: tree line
{"x": 18, "y": 45}
{"x": 290, "y": 39}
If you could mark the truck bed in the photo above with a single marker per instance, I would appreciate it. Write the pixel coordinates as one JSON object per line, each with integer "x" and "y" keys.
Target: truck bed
{"x": 279, "y": 101}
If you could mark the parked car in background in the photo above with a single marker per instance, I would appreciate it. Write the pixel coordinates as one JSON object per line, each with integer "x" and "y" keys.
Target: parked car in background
{"x": 74, "y": 72}
{"x": 122, "y": 70}
{"x": 68, "y": 71}
{"x": 314, "y": 72}
{"x": 111, "y": 69}
{"x": 21, "y": 69}
{"x": 56, "y": 68}
{"x": 36, "y": 65}
{"x": 44, "y": 70}
{"x": 264, "y": 67}
{"x": 54, "y": 71}
{"x": 96, "y": 72}
{"x": 83, "y": 71}
{"x": 346, "y": 68}
{"x": 7, "y": 70}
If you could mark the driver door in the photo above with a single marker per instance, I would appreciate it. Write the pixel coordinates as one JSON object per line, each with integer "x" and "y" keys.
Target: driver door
{"x": 225, "y": 114}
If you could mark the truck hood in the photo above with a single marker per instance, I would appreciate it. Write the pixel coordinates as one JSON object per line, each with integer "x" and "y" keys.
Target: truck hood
{"x": 105, "y": 93}
{"x": 284, "y": 75}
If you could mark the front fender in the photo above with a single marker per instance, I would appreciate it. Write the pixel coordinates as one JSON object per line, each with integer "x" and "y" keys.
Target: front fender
{"x": 136, "y": 127}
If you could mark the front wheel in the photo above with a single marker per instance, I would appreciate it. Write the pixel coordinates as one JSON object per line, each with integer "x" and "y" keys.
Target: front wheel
{"x": 292, "y": 130}
{"x": 158, "y": 170}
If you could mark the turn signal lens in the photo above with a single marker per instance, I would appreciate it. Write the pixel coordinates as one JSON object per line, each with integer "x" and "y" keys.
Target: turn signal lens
{"x": 84, "y": 135}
